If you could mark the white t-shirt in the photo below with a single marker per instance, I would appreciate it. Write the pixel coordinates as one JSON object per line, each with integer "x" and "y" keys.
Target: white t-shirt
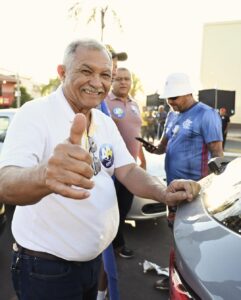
{"x": 71, "y": 229}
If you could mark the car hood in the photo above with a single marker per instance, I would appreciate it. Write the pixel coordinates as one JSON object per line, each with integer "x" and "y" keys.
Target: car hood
{"x": 208, "y": 252}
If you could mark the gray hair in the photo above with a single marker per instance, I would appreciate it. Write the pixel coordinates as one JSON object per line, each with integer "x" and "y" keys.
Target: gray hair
{"x": 84, "y": 43}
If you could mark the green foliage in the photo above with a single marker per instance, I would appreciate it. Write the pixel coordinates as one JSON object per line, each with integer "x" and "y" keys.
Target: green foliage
{"x": 25, "y": 97}
{"x": 50, "y": 87}
{"x": 136, "y": 85}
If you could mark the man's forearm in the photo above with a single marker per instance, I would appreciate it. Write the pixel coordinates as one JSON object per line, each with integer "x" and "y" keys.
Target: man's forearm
{"x": 216, "y": 149}
{"x": 21, "y": 186}
{"x": 141, "y": 184}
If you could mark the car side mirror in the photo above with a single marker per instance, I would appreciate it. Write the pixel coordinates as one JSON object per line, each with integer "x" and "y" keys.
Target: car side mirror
{"x": 217, "y": 165}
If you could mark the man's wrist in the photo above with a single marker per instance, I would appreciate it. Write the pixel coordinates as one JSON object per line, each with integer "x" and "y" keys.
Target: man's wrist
{"x": 160, "y": 194}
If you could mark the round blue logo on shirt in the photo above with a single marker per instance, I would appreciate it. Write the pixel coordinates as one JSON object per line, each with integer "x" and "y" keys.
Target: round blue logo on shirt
{"x": 106, "y": 155}
{"x": 118, "y": 112}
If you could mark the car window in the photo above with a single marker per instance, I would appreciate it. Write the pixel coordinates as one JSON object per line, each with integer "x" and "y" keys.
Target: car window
{"x": 4, "y": 123}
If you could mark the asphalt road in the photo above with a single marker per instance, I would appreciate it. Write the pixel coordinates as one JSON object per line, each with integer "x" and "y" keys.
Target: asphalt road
{"x": 6, "y": 240}
{"x": 151, "y": 241}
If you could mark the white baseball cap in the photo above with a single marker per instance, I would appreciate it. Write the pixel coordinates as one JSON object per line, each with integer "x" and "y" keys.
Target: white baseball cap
{"x": 177, "y": 84}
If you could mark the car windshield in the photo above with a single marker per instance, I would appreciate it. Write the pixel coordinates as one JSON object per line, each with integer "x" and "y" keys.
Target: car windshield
{"x": 222, "y": 196}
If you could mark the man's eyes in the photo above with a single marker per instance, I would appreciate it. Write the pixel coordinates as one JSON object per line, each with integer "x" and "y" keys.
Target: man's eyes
{"x": 122, "y": 79}
{"x": 107, "y": 76}
{"x": 87, "y": 72}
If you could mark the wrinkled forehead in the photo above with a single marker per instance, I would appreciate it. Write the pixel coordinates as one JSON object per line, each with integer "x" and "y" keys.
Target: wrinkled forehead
{"x": 94, "y": 58}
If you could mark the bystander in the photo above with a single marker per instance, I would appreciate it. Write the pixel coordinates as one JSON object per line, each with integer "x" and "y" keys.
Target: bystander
{"x": 225, "y": 123}
{"x": 192, "y": 135}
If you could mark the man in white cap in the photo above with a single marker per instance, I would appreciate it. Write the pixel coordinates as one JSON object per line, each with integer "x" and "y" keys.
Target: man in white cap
{"x": 192, "y": 135}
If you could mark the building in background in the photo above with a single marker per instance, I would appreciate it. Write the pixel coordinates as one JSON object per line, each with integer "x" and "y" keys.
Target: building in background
{"x": 221, "y": 60}
{"x": 10, "y": 83}
{"x": 7, "y": 90}
{"x": 218, "y": 99}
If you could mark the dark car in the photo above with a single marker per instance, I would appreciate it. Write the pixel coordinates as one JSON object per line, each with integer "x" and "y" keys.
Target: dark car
{"x": 205, "y": 261}
{"x": 3, "y": 217}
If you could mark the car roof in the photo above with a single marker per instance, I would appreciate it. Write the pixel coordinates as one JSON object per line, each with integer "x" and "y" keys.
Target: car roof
{"x": 8, "y": 111}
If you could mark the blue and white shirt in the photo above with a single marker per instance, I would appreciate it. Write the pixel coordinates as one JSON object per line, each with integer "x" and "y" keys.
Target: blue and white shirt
{"x": 188, "y": 135}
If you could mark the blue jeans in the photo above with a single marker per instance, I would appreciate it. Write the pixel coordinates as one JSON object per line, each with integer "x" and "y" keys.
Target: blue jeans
{"x": 36, "y": 278}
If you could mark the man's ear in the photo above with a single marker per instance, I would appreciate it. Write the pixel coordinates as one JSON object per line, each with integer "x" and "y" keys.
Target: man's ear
{"x": 61, "y": 72}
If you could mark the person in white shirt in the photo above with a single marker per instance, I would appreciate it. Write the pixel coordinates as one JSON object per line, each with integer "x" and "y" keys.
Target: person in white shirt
{"x": 56, "y": 167}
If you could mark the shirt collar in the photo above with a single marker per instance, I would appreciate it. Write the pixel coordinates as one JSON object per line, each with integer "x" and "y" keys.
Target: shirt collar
{"x": 69, "y": 113}
{"x": 112, "y": 96}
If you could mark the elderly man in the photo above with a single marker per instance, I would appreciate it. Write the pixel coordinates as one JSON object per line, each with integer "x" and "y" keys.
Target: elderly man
{"x": 56, "y": 166}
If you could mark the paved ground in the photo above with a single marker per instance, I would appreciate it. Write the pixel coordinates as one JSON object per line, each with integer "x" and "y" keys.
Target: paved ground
{"x": 151, "y": 241}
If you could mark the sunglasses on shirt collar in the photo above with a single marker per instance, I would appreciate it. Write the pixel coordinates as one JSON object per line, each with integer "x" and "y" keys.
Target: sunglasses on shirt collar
{"x": 96, "y": 165}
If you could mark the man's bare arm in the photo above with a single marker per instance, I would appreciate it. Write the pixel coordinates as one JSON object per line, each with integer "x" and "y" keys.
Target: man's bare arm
{"x": 20, "y": 186}
{"x": 216, "y": 149}
{"x": 141, "y": 184}
{"x": 160, "y": 149}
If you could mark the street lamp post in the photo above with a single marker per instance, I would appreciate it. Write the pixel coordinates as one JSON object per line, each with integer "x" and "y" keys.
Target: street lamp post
{"x": 18, "y": 92}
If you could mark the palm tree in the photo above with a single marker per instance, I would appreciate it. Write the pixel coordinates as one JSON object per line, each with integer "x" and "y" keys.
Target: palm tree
{"x": 136, "y": 85}
{"x": 53, "y": 84}
{"x": 101, "y": 9}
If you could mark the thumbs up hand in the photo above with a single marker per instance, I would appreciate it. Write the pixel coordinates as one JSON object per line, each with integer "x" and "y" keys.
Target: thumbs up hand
{"x": 69, "y": 170}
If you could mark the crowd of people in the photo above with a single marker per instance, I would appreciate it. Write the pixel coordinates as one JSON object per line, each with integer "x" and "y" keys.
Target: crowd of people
{"x": 153, "y": 121}
{"x": 71, "y": 170}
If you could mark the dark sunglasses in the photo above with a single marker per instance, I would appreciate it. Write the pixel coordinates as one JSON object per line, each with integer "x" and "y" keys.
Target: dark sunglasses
{"x": 96, "y": 165}
{"x": 172, "y": 98}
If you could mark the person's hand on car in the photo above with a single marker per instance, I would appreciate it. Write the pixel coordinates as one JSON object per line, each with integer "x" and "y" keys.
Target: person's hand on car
{"x": 180, "y": 190}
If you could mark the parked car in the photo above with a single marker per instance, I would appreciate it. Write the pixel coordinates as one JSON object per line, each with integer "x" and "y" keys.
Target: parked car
{"x": 3, "y": 217}
{"x": 144, "y": 209}
{"x": 6, "y": 116}
{"x": 205, "y": 261}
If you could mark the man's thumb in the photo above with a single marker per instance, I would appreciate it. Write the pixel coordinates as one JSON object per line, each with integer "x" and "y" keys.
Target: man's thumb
{"x": 77, "y": 129}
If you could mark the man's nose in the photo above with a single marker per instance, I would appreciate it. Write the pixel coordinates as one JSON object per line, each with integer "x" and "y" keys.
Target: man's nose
{"x": 96, "y": 80}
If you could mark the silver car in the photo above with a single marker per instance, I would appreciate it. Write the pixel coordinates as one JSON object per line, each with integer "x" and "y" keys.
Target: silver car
{"x": 144, "y": 209}
{"x": 205, "y": 260}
